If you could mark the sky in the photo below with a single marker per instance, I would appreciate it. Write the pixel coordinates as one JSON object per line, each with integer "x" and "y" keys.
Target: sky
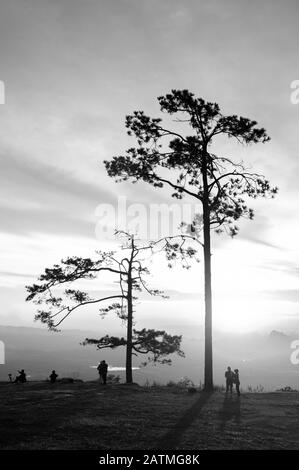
{"x": 72, "y": 70}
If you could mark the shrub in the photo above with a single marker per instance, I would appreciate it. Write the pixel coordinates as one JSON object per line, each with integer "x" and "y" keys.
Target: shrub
{"x": 113, "y": 379}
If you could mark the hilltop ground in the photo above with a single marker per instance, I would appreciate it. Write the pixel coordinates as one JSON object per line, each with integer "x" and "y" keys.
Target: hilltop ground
{"x": 91, "y": 416}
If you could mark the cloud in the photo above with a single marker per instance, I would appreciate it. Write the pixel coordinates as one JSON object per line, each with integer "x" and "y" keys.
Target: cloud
{"x": 289, "y": 295}
{"x": 283, "y": 266}
{"x": 13, "y": 274}
{"x": 38, "y": 197}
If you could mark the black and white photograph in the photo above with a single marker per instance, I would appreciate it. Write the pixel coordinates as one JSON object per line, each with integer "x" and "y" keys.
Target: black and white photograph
{"x": 149, "y": 231}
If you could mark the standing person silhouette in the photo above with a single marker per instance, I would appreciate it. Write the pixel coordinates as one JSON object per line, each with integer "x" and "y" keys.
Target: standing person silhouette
{"x": 21, "y": 378}
{"x": 103, "y": 369}
{"x": 229, "y": 375}
{"x": 237, "y": 381}
{"x": 53, "y": 377}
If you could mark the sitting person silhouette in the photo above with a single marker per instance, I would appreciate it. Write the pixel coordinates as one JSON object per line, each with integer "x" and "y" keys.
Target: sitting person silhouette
{"x": 229, "y": 375}
{"x": 103, "y": 369}
{"x": 21, "y": 378}
{"x": 237, "y": 380}
{"x": 53, "y": 377}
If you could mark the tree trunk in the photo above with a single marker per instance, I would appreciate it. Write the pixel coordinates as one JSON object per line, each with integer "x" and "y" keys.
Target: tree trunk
{"x": 129, "y": 375}
{"x": 208, "y": 368}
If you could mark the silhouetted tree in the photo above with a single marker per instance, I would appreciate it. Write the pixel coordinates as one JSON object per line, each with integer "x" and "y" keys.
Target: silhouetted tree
{"x": 186, "y": 164}
{"x": 129, "y": 269}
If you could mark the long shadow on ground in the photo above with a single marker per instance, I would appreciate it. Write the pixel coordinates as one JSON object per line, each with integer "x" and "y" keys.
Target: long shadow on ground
{"x": 230, "y": 410}
{"x": 173, "y": 437}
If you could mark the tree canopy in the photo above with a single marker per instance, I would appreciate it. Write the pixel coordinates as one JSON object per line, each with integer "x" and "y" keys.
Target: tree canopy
{"x": 166, "y": 156}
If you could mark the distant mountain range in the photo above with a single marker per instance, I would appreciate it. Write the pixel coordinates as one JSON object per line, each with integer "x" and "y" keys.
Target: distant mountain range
{"x": 261, "y": 359}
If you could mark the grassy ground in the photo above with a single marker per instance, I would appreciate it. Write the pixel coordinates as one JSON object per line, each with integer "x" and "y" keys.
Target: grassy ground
{"x": 91, "y": 416}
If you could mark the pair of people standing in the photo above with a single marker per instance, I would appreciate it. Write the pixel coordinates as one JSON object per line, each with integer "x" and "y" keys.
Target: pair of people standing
{"x": 103, "y": 369}
{"x": 232, "y": 377}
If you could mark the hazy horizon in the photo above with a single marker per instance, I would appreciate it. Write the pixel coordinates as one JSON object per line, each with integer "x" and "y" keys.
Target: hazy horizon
{"x": 263, "y": 359}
